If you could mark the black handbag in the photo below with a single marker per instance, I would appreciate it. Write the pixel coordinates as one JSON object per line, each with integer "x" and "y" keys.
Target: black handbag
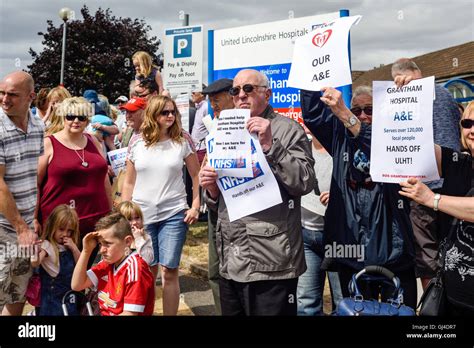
{"x": 356, "y": 305}
{"x": 433, "y": 300}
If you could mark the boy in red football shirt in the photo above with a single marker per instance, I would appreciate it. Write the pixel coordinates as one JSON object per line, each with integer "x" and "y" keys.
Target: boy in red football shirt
{"x": 122, "y": 278}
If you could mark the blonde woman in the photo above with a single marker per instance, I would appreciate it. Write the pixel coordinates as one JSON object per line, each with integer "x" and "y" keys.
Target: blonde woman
{"x": 154, "y": 180}
{"x": 73, "y": 170}
{"x": 146, "y": 70}
{"x": 457, "y": 169}
{"x": 53, "y": 122}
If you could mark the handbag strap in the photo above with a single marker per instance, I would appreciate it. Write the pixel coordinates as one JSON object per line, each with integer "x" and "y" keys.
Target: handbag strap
{"x": 397, "y": 296}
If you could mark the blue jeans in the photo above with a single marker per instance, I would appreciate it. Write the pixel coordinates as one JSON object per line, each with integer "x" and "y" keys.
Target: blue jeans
{"x": 168, "y": 237}
{"x": 310, "y": 288}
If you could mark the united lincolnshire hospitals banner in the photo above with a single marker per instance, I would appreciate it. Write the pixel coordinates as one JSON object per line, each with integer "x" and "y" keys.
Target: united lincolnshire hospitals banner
{"x": 402, "y": 132}
{"x": 267, "y": 47}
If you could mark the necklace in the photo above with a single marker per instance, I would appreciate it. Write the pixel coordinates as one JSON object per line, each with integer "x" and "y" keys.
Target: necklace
{"x": 84, "y": 163}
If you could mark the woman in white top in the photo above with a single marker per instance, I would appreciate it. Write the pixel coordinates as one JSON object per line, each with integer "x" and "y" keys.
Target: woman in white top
{"x": 154, "y": 180}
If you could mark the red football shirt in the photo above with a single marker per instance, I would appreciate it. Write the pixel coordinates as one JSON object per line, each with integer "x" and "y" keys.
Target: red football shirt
{"x": 128, "y": 287}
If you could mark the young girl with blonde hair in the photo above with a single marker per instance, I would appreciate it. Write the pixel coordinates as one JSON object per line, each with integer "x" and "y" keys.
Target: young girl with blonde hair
{"x": 142, "y": 243}
{"x": 146, "y": 70}
{"x": 56, "y": 259}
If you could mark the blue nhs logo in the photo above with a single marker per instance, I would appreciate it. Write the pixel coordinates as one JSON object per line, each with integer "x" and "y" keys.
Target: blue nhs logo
{"x": 182, "y": 46}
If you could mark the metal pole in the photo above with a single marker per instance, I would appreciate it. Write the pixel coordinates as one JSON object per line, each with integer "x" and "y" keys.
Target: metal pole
{"x": 347, "y": 90}
{"x": 186, "y": 20}
{"x": 63, "y": 54}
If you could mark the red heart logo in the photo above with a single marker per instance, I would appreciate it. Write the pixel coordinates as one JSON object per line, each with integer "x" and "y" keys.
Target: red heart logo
{"x": 321, "y": 38}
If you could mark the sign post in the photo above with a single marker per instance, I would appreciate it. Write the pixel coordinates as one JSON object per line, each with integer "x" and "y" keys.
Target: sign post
{"x": 183, "y": 56}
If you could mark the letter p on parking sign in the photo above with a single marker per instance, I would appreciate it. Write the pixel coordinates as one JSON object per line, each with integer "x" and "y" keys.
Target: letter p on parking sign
{"x": 182, "y": 46}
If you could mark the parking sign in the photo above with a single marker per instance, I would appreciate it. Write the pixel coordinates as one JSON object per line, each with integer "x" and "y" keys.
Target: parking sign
{"x": 182, "y": 69}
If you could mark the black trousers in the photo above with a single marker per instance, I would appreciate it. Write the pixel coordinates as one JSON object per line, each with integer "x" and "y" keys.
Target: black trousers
{"x": 265, "y": 297}
{"x": 372, "y": 290}
{"x": 425, "y": 223}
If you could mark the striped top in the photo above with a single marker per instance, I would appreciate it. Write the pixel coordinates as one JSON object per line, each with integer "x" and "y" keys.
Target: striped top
{"x": 19, "y": 153}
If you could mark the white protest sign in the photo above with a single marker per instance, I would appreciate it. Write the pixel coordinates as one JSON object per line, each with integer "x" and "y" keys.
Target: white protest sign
{"x": 118, "y": 159}
{"x": 228, "y": 145}
{"x": 311, "y": 202}
{"x": 402, "y": 132}
{"x": 208, "y": 123}
{"x": 182, "y": 103}
{"x": 321, "y": 58}
{"x": 246, "y": 196}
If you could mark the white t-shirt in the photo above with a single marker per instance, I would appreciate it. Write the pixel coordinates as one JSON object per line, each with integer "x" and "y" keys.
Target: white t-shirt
{"x": 50, "y": 263}
{"x": 159, "y": 187}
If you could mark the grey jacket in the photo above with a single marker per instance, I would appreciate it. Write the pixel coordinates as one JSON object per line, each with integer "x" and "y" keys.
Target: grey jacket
{"x": 268, "y": 245}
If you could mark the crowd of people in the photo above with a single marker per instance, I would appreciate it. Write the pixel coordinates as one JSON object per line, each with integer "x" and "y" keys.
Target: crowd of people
{"x": 76, "y": 225}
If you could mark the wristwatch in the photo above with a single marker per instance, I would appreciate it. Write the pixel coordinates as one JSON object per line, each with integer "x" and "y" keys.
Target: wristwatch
{"x": 351, "y": 122}
{"x": 437, "y": 197}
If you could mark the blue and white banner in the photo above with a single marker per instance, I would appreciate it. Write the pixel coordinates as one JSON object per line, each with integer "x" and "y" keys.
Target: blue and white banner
{"x": 267, "y": 47}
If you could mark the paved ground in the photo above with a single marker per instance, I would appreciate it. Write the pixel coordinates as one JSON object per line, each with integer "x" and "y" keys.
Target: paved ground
{"x": 197, "y": 294}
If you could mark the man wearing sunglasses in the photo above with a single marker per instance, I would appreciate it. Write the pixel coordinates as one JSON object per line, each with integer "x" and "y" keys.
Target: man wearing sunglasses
{"x": 21, "y": 144}
{"x": 261, "y": 256}
{"x": 360, "y": 211}
{"x": 426, "y": 222}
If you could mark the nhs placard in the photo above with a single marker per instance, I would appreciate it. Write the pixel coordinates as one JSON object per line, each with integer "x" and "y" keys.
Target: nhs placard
{"x": 182, "y": 69}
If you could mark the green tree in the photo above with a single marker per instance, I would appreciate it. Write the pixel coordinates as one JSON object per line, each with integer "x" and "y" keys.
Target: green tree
{"x": 99, "y": 53}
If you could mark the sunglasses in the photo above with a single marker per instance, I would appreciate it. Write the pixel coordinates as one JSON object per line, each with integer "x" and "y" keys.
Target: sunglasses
{"x": 167, "y": 112}
{"x": 73, "y": 117}
{"x": 467, "y": 123}
{"x": 357, "y": 111}
{"x": 248, "y": 88}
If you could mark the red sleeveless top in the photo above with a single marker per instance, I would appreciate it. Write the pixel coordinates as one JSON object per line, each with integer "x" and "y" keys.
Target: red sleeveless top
{"x": 67, "y": 181}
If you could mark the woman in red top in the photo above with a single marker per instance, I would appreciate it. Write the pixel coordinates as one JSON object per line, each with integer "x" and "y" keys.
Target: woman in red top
{"x": 73, "y": 170}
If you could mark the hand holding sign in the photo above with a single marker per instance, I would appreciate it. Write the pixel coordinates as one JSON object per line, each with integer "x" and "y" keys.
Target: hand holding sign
{"x": 417, "y": 191}
{"x": 333, "y": 98}
{"x": 262, "y": 128}
{"x": 207, "y": 180}
{"x": 402, "y": 80}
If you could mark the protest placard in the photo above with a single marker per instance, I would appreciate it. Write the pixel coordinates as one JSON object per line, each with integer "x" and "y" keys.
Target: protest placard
{"x": 118, "y": 159}
{"x": 321, "y": 58}
{"x": 402, "y": 132}
{"x": 228, "y": 145}
{"x": 246, "y": 196}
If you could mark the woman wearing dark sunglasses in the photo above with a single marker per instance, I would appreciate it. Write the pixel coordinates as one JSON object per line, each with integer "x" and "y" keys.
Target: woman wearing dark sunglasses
{"x": 360, "y": 211}
{"x": 154, "y": 180}
{"x": 73, "y": 170}
{"x": 457, "y": 169}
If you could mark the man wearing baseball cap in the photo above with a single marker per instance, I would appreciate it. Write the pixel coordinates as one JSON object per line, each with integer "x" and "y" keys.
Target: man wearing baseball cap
{"x": 135, "y": 110}
{"x": 121, "y": 100}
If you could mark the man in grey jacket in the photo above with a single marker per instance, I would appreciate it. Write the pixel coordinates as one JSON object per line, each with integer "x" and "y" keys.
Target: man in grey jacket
{"x": 261, "y": 255}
